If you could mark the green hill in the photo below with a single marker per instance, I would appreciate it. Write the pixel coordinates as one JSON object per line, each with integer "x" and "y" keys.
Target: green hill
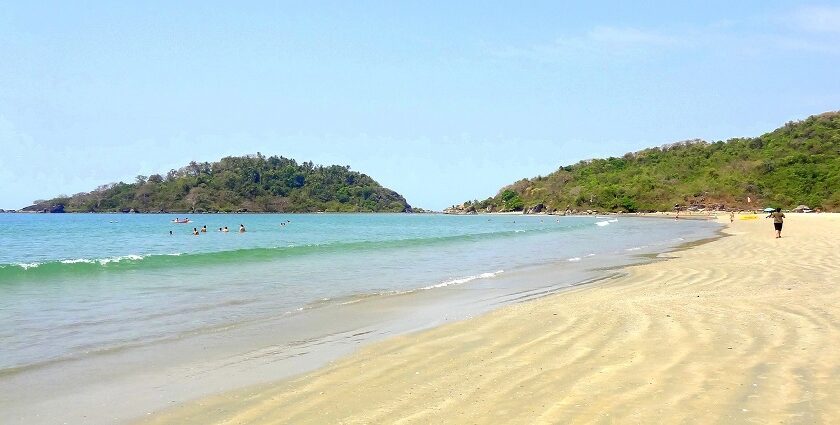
{"x": 795, "y": 164}
{"x": 251, "y": 183}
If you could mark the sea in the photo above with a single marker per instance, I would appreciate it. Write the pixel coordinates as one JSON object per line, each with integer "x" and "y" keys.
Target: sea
{"x": 97, "y": 303}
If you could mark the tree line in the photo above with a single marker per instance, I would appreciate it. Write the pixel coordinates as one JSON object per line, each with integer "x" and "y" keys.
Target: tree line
{"x": 251, "y": 183}
{"x": 796, "y": 164}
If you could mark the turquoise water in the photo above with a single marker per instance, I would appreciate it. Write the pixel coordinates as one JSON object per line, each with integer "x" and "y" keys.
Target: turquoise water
{"x": 73, "y": 285}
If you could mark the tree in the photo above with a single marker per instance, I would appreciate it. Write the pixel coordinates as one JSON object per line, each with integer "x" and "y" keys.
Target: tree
{"x": 798, "y": 163}
{"x": 254, "y": 183}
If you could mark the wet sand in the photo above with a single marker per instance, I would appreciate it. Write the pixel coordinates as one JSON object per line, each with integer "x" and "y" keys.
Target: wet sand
{"x": 745, "y": 329}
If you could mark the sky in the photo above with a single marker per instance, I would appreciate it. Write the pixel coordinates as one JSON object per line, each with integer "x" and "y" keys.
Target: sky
{"x": 441, "y": 101}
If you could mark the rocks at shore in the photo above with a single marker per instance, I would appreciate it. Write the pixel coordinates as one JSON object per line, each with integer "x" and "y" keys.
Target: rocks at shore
{"x": 44, "y": 209}
{"x": 536, "y": 209}
{"x": 465, "y": 208}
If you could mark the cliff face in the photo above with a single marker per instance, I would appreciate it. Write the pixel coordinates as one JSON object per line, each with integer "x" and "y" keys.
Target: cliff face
{"x": 238, "y": 184}
{"x": 798, "y": 163}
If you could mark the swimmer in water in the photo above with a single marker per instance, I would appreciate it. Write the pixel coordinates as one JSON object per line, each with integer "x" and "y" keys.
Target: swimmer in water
{"x": 241, "y": 229}
{"x": 225, "y": 230}
{"x": 204, "y": 229}
{"x": 195, "y": 231}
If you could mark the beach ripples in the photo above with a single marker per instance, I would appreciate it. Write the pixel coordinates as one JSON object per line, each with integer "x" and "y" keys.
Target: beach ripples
{"x": 742, "y": 330}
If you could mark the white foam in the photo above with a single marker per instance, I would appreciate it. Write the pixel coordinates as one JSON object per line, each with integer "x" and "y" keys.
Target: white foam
{"x": 104, "y": 261}
{"x": 602, "y": 223}
{"x": 613, "y": 220}
{"x": 635, "y": 248}
{"x": 461, "y": 280}
{"x": 27, "y": 266}
{"x": 574, "y": 259}
{"x": 77, "y": 261}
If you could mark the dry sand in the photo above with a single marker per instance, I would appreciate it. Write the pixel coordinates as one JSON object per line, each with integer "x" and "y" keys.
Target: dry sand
{"x": 745, "y": 329}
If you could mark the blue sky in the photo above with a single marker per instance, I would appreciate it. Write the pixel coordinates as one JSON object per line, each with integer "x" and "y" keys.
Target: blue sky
{"x": 442, "y": 102}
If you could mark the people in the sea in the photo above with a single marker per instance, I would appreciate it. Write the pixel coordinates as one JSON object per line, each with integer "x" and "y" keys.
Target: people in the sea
{"x": 220, "y": 229}
{"x": 778, "y": 220}
{"x": 195, "y": 231}
{"x": 225, "y": 230}
{"x": 204, "y": 229}
{"x": 241, "y": 229}
{"x": 170, "y": 233}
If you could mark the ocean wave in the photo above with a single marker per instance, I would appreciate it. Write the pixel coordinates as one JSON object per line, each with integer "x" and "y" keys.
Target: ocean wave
{"x": 158, "y": 260}
{"x": 99, "y": 261}
{"x": 573, "y": 259}
{"x": 462, "y": 280}
{"x": 602, "y": 223}
{"x": 104, "y": 261}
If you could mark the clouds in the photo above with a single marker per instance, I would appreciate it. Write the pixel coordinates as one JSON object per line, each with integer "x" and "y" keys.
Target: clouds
{"x": 818, "y": 19}
{"x": 599, "y": 42}
{"x": 625, "y": 37}
{"x": 806, "y": 30}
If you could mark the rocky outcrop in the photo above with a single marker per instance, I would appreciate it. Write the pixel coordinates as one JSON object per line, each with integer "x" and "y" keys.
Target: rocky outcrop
{"x": 536, "y": 209}
{"x": 465, "y": 208}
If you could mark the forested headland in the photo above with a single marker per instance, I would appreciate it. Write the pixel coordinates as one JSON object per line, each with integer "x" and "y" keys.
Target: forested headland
{"x": 252, "y": 183}
{"x": 797, "y": 164}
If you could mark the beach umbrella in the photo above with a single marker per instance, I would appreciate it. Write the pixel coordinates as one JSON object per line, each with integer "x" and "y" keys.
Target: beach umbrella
{"x": 768, "y": 209}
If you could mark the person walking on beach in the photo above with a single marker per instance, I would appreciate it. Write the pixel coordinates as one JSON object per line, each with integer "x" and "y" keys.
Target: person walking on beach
{"x": 732, "y": 216}
{"x": 778, "y": 220}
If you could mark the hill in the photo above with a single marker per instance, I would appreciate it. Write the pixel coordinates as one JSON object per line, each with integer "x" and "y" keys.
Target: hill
{"x": 251, "y": 183}
{"x": 798, "y": 163}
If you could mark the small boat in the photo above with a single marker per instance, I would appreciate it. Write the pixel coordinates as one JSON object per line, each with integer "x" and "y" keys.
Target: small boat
{"x": 184, "y": 221}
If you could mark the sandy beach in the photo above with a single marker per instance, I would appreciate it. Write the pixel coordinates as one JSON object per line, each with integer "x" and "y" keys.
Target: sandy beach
{"x": 744, "y": 329}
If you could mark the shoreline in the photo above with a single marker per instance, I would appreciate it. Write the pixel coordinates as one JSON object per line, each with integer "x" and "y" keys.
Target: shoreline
{"x": 397, "y": 379}
{"x": 152, "y": 377}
